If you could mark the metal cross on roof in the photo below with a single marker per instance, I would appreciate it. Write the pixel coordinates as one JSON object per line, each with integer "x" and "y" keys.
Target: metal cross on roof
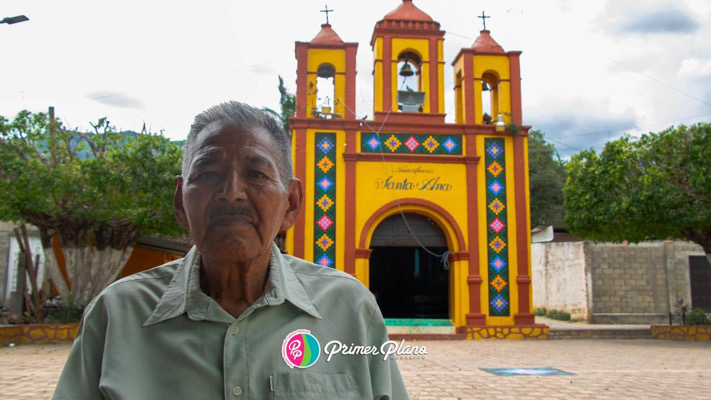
{"x": 483, "y": 18}
{"x": 326, "y": 11}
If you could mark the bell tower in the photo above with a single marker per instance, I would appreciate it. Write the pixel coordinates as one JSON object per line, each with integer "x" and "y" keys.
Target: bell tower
{"x": 325, "y": 76}
{"x": 408, "y": 66}
{"x": 487, "y": 84}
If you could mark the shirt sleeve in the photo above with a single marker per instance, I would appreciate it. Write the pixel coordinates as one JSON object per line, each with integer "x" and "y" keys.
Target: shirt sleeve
{"x": 384, "y": 374}
{"x": 82, "y": 372}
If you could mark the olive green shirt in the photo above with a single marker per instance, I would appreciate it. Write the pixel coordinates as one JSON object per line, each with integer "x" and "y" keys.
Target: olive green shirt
{"x": 155, "y": 335}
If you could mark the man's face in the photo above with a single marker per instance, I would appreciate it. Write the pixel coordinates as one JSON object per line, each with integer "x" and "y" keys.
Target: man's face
{"x": 233, "y": 200}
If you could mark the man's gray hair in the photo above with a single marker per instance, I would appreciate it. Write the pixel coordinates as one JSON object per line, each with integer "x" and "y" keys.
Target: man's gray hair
{"x": 240, "y": 115}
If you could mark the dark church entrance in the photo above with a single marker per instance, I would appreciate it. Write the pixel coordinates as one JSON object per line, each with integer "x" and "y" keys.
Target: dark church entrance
{"x": 406, "y": 279}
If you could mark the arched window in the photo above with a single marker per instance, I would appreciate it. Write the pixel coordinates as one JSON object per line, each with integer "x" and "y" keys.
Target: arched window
{"x": 489, "y": 97}
{"x": 409, "y": 85}
{"x": 325, "y": 90}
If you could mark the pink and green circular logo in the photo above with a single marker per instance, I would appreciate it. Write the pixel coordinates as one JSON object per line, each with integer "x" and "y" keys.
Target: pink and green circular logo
{"x": 300, "y": 349}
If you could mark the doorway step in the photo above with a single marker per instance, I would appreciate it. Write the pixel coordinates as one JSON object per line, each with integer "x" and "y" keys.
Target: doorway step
{"x": 421, "y": 329}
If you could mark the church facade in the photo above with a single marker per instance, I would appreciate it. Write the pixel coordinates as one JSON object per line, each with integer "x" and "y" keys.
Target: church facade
{"x": 433, "y": 217}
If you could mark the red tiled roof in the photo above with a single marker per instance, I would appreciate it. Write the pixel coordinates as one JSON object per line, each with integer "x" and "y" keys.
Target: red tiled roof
{"x": 407, "y": 12}
{"x": 327, "y": 36}
{"x": 486, "y": 44}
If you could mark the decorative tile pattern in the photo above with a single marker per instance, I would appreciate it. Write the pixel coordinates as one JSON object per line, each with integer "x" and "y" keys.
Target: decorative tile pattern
{"x": 324, "y": 222}
{"x": 497, "y": 226}
{"x": 325, "y": 164}
{"x": 498, "y": 264}
{"x": 373, "y": 143}
{"x": 411, "y": 143}
{"x": 430, "y": 144}
{"x": 497, "y": 230}
{"x": 325, "y": 193}
{"x": 393, "y": 143}
{"x": 325, "y": 183}
{"x": 495, "y": 187}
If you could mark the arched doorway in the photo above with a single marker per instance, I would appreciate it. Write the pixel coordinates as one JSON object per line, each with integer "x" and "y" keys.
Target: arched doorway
{"x": 407, "y": 280}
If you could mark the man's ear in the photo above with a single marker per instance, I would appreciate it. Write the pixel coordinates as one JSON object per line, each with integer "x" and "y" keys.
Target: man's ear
{"x": 178, "y": 208}
{"x": 295, "y": 199}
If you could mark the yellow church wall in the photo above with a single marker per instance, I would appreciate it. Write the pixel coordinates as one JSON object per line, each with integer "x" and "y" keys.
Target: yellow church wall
{"x": 499, "y": 63}
{"x": 511, "y": 226}
{"x": 459, "y": 292}
{"x": 378, "y": 74}
{"x": 440, "y": 66}
{"x": 460, "y": 110}
{"x": 378, "y": 182}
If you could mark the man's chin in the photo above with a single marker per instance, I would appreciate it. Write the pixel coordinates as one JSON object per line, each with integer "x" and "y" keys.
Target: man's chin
{"x": 233, "y": 247}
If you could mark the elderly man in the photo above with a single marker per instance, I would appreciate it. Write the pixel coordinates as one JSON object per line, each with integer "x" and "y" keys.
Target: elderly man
{"x": 234, "y": 319}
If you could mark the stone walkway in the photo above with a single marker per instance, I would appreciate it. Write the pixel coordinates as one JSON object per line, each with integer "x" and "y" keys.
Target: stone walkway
{"x": 603, "y": 369}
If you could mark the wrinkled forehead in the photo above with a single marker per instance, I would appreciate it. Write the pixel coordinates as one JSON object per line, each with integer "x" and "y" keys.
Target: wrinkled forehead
{"x": 247, "y": 141}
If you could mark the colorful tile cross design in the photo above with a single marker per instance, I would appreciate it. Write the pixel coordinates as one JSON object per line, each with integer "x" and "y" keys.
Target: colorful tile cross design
{"x": 411, "y": 143}
{"x": 497, "y": 232}
{"x": 325, "y": 195}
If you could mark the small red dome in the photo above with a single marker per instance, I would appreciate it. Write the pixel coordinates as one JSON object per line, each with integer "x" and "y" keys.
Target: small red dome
{"x": 327, "y": 36}
{"x": 486, "y": 44}
{"x": 407, "y": 12}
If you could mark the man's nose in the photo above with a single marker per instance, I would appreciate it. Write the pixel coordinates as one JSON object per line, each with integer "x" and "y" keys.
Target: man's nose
{"x": 233, "y": 187}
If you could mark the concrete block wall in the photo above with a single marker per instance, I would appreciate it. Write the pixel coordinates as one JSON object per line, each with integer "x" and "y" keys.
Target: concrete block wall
{"x": 629, "y": 282}
{"x": 609, "y": 283}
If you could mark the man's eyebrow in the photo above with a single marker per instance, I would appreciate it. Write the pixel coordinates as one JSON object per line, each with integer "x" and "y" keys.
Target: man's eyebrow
{"x": 261, "y": 160}
{"x": 203, "y": 159}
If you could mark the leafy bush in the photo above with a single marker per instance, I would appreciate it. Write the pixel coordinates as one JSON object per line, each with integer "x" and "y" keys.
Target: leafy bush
{"x": 559, "y": 315}
{"x": 697, "y": 317}
{"x": 60, "y": 311}
{"x": 540, "y": 311}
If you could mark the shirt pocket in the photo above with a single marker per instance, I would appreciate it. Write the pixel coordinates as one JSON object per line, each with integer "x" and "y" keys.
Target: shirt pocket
{"x": 307, "y": 385}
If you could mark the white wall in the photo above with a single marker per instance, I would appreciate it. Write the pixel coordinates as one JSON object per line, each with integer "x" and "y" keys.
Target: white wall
{"x": 560, "y": 278}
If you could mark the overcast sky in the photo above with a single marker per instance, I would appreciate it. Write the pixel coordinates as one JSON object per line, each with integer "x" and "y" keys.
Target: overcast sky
{"x": 591, "y": 70}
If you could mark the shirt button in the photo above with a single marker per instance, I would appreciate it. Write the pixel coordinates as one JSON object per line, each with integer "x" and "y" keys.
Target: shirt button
{"x": 234, "y": 330}
{"x": 236, "y": 391}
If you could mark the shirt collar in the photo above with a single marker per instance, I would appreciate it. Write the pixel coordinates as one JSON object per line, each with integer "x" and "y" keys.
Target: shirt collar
{"x": 184, "y": 295}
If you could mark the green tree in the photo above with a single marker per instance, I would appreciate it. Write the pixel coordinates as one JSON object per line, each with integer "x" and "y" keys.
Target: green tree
{"x": 656, "y": 187}
{"x": 546, "y": 179}
{"x": 287, "y": 102}
{"x": 97, "y": 192}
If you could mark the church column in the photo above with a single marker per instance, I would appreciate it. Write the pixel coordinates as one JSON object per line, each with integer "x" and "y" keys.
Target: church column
{"x": 387, "y": 75}
{"x": 474, "y": 280}
{"x": 434, "y": 77}
{"x": 300, "y": 174}
{"x": 523, "y": 278}
{"x": 301, "y": 80}
{"x": 350, "y": 157}
{"x": 351, "y": 49}
{"x": 515, "y": 71}
{"x": 469, "y": 95}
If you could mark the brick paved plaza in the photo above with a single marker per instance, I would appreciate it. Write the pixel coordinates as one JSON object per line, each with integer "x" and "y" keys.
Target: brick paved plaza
{"x": 604, "y": 369}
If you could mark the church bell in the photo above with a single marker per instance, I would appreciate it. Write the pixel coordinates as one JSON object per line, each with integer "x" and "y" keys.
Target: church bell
{"x": 406, "y": 70}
